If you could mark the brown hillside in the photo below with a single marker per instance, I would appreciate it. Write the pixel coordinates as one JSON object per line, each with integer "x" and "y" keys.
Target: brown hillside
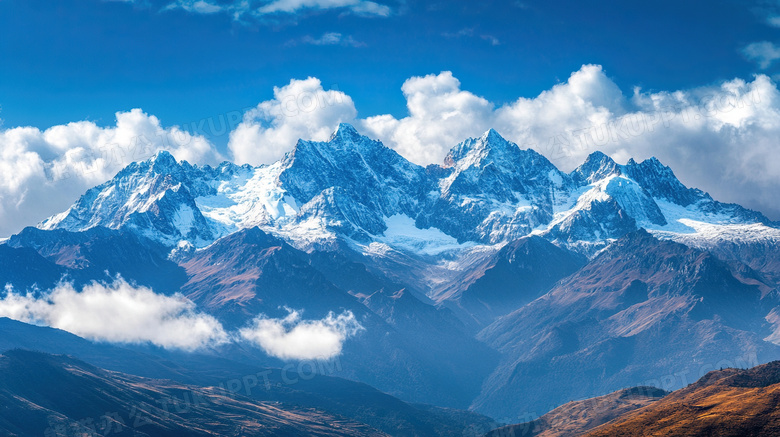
{"x": 575, "y": 418}
{"x": 729, "y": 402}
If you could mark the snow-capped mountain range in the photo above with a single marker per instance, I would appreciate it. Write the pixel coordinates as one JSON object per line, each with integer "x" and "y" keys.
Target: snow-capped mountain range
{"x": 470, "y": 278}
{"x": 487, "y": 192}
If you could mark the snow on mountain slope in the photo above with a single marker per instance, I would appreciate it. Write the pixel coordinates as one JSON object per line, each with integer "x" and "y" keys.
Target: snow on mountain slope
{"x": 492, "y": 191}
{"x": 755, "y": 244}
{"x": 614, "y": 199}
{"x": 401, "y": 232}
{"x": 154, "y": 197}
{"x": 254, "y": 198}
{"x": 488, "y": 192}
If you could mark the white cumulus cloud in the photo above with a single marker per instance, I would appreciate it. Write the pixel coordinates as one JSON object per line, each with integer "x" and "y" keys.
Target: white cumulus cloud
{"x": 440, "y": 116}
{"x": 118, "y": 313}
{"x": 292, "y": 338}
{"x": 301, "y": 109}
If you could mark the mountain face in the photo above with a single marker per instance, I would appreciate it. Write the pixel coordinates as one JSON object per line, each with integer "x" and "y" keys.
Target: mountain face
{"x": 640, "y": 310}
{"x": 378, "y": 179}
{"x": 250, "y": 273}
{"x": 24, "y": 268}
{"x": 100, "y": 254}
{"x": 494, "y": 191}
{"x": 518, "y": 273}
{"x": 727, "y": 402}
{"x": 155, "y": 198}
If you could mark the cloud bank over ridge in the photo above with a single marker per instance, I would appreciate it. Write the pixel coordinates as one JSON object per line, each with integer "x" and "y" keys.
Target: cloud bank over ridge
{"x": 720, "y": 138}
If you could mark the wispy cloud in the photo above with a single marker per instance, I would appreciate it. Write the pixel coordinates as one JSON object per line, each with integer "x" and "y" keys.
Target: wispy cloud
{"x": 329, "y": 39}
{"x": 242, "y": 9}
{"x": 764, "y": 53}
{"x": 467, "y": 32}
{"x": 197, "y": 6}
{"x": 470, "y": 32}
{"x": 361, "y": 7}
{"x": 492, "y": 39}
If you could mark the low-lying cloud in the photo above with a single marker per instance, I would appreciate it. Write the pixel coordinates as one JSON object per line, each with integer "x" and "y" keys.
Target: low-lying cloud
{"x": 122, "y": 313}
{"x": 118, "y": 313}
{"x": 297, "y": 339}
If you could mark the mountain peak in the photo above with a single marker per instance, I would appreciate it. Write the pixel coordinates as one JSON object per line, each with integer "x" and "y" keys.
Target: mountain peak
{"x": 660, "y": 181}
{"x": 492, "y": 139}
{"x": 649, "y": 162}
{"x": 345, "y": 131}
{"x": 162, "y": 162}
{"x": 596, "y": 167}
{"x": 490, "y": 143}
{"x": 492, "y": 135}
{"x": 163, "y": 156}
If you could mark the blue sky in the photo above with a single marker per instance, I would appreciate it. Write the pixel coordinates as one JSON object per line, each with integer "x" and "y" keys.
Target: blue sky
{"x": 80, "y": 59}
{"x": 84, "y": 82}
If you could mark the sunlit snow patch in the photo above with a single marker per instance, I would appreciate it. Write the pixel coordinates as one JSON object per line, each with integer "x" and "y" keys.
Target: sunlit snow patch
{"x": 403, "y": 234}
{"x": 249, "y": 200}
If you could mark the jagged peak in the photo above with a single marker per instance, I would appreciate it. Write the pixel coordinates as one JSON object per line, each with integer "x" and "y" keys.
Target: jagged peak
{"x": 344, "y": 137}
{"x": 493, "y": 135}
{"x": 491, "y": 142}
{"x": 597, "y": 166}
{"x": 660, "y": 181}
{"x": 651, "y": 164}
{"x": 598, "y": 156}
{"x": 345, "y": 143}
{"x": 344, "y": 131}
{"x": 651, "y": 161}
{"x": 162, "y": 155}
{"x": 162, "y": 162}
{"x": 163, "y": 159}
